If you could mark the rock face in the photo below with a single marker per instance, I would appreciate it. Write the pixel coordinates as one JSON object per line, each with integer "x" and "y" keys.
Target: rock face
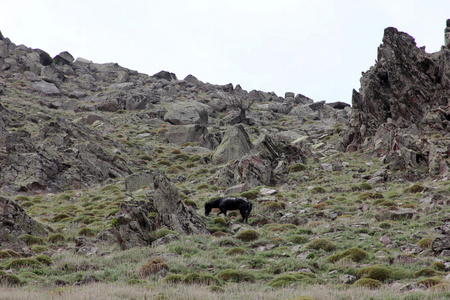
{"x": 191, "y": 112}
{"x": 14, "y": 222}
{"x": 163, "y": 208}
{"x": 192, "y": 134}
{"x": 402, "y": 96}
{"x": 235, "y": 144}
{"x": 55, "y": 158}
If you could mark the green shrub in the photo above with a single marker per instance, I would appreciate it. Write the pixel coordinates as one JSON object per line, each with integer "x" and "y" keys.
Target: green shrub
{"x": 251, "y": 194}
{"x": 9, "y": 279}
{"x": 429, "y": 282}
{"x": 415, "y": 188}
{"x": 290, "y": 278}
{"x": 135, "y": 281}
{"x": 191, "y": 203}
{"x": 173, "y": 278}
{"x": 26, "y": 204}
{"x": 355, "y": 254}
{"x": 380, "y": 273}
{"x": 365, "y": 186}
{"x": 297, "y": 167}
{"x": 236, "y": 276}
{"x": 86, "y": 231}
{"x": 317, "y": 190}
{"x": 204, "y": 279}
{"x": 163, "y": 232}
{"x": 298, "y": 239}
{"x": 385, "y": 225}
{"x": 12, "y": 253}
{"x": 235, "y": 251}
{"x": 273, "y": 206}
{"x": 183, "y": 249}
{"x": 424, "y": 243}
{"x": 31, "y": 239}
{"x": 437, "y": 265}
{"x": 60, "y": 217}
{"x": 320, "y": 243}
{"x": 39, "y": 248}
{"x": 19, "y": 263}
{"x": 425, "y": 272}
{"x": 247, "y": 235}
{"x": 368, "y": 283}
{"x": 4, "y": 254}
{"x": 220, "y": 221}
{"x": 44, "y": 259}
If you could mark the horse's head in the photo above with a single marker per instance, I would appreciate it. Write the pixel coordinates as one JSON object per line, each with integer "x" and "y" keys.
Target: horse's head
{"x": 208, "y": 208}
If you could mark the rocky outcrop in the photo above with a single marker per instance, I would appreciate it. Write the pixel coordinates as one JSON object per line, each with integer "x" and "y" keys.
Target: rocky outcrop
{"x": 404, "y": 95}
{"x": 14, "y": 222}
{"x": 137, "y": 219}
{"x": 184, "y": 113}
{"x": 192, "y": 134}
{"x": 235, "y": 144}
{"x": 56, "y": 158}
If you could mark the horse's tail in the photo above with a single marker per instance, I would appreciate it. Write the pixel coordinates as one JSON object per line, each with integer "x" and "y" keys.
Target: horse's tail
{"x": 247, "y": 212}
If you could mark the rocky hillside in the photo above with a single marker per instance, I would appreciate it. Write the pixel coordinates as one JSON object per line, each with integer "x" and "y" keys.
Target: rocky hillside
{"x": 97, "y": 160}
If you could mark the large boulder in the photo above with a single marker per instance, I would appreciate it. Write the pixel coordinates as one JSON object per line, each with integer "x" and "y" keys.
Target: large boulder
{"x": 235, "y": 144}
{"x": 192, "y": 134}
{"x": 188, "y": 112}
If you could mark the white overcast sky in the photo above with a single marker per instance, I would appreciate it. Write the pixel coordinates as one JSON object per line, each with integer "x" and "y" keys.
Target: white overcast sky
{"x": 316, "y": 47}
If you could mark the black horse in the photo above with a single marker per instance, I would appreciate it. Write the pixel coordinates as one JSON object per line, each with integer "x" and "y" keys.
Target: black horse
{"x": 230, "y": 203}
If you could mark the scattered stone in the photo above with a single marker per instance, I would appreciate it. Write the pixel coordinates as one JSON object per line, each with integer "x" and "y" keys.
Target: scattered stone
{"x": 347, "y": 279}
{"x": 45, "y": 88}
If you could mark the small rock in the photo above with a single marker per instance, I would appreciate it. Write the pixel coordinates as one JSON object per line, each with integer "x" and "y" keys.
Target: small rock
{"x": 266, "y": 191}
{"x": 385, "y": 240}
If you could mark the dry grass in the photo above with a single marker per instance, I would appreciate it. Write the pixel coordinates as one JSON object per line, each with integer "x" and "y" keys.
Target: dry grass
{"x": 160, "y": 290}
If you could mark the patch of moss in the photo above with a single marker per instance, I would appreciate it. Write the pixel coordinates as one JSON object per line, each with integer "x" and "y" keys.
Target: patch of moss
{"x": 191, "y": 203}
{"x": 39, "y": 248}
{"x": 415, "y": 188}
{"x": 163, "y": 232}
{"x": 317, "y": 190}
{"x": 355, "y": 254}
{"x": 368, "y": 283}
{"x": 297, "y": 167}
{"x": 425, "y": 272}
{"x": 236, "y": 276}
{"x": 251, "y": 194}
{"x": 292, "y": 278}
{"x": 31, "y": 240}
{"x": 235, "y": 251}
{"x": 60, "y": 217}
{"x": 247, "y": 235}
{"x": 86, "y": 231}
{"x": 320, "y": 243}
{"x": 298, "y": 239}
{"x": 273, "y": 206}
{"x": 220, "y": 221}
{"x": 365, "y": 186}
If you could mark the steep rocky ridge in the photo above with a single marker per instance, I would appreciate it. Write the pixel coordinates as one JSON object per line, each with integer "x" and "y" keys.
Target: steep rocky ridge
{"x": 402, "y": 104}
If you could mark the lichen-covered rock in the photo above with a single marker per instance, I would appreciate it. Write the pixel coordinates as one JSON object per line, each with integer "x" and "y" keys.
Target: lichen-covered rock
{"x": 188, "y": 112}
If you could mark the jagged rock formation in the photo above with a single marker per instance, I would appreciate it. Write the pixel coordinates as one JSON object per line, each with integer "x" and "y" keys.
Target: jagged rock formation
{"x": 14, "y": 222}
{"x": 404, "y": 95}
{"x": 137, "y": 219}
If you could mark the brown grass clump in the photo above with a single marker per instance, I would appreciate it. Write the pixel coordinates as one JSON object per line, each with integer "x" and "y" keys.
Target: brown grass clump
{"x": 424, "y": 243}
{"x": 219, "y": 234}
{"x": 152, "y": 267}
{"x": 323, "y": 244}
{"x": 273, "y": 206}
{"x": 322, "y": 205}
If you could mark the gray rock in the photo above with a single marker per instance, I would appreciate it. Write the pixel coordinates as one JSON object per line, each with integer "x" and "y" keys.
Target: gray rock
{"x": 347, "y": 279}
{"x": 192, "y": 134}
{"x": 63, "y": 58}
{"x": 45, "y": 88}
{"x": 235, "y": 144}
{"x": 188, "y": 112}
